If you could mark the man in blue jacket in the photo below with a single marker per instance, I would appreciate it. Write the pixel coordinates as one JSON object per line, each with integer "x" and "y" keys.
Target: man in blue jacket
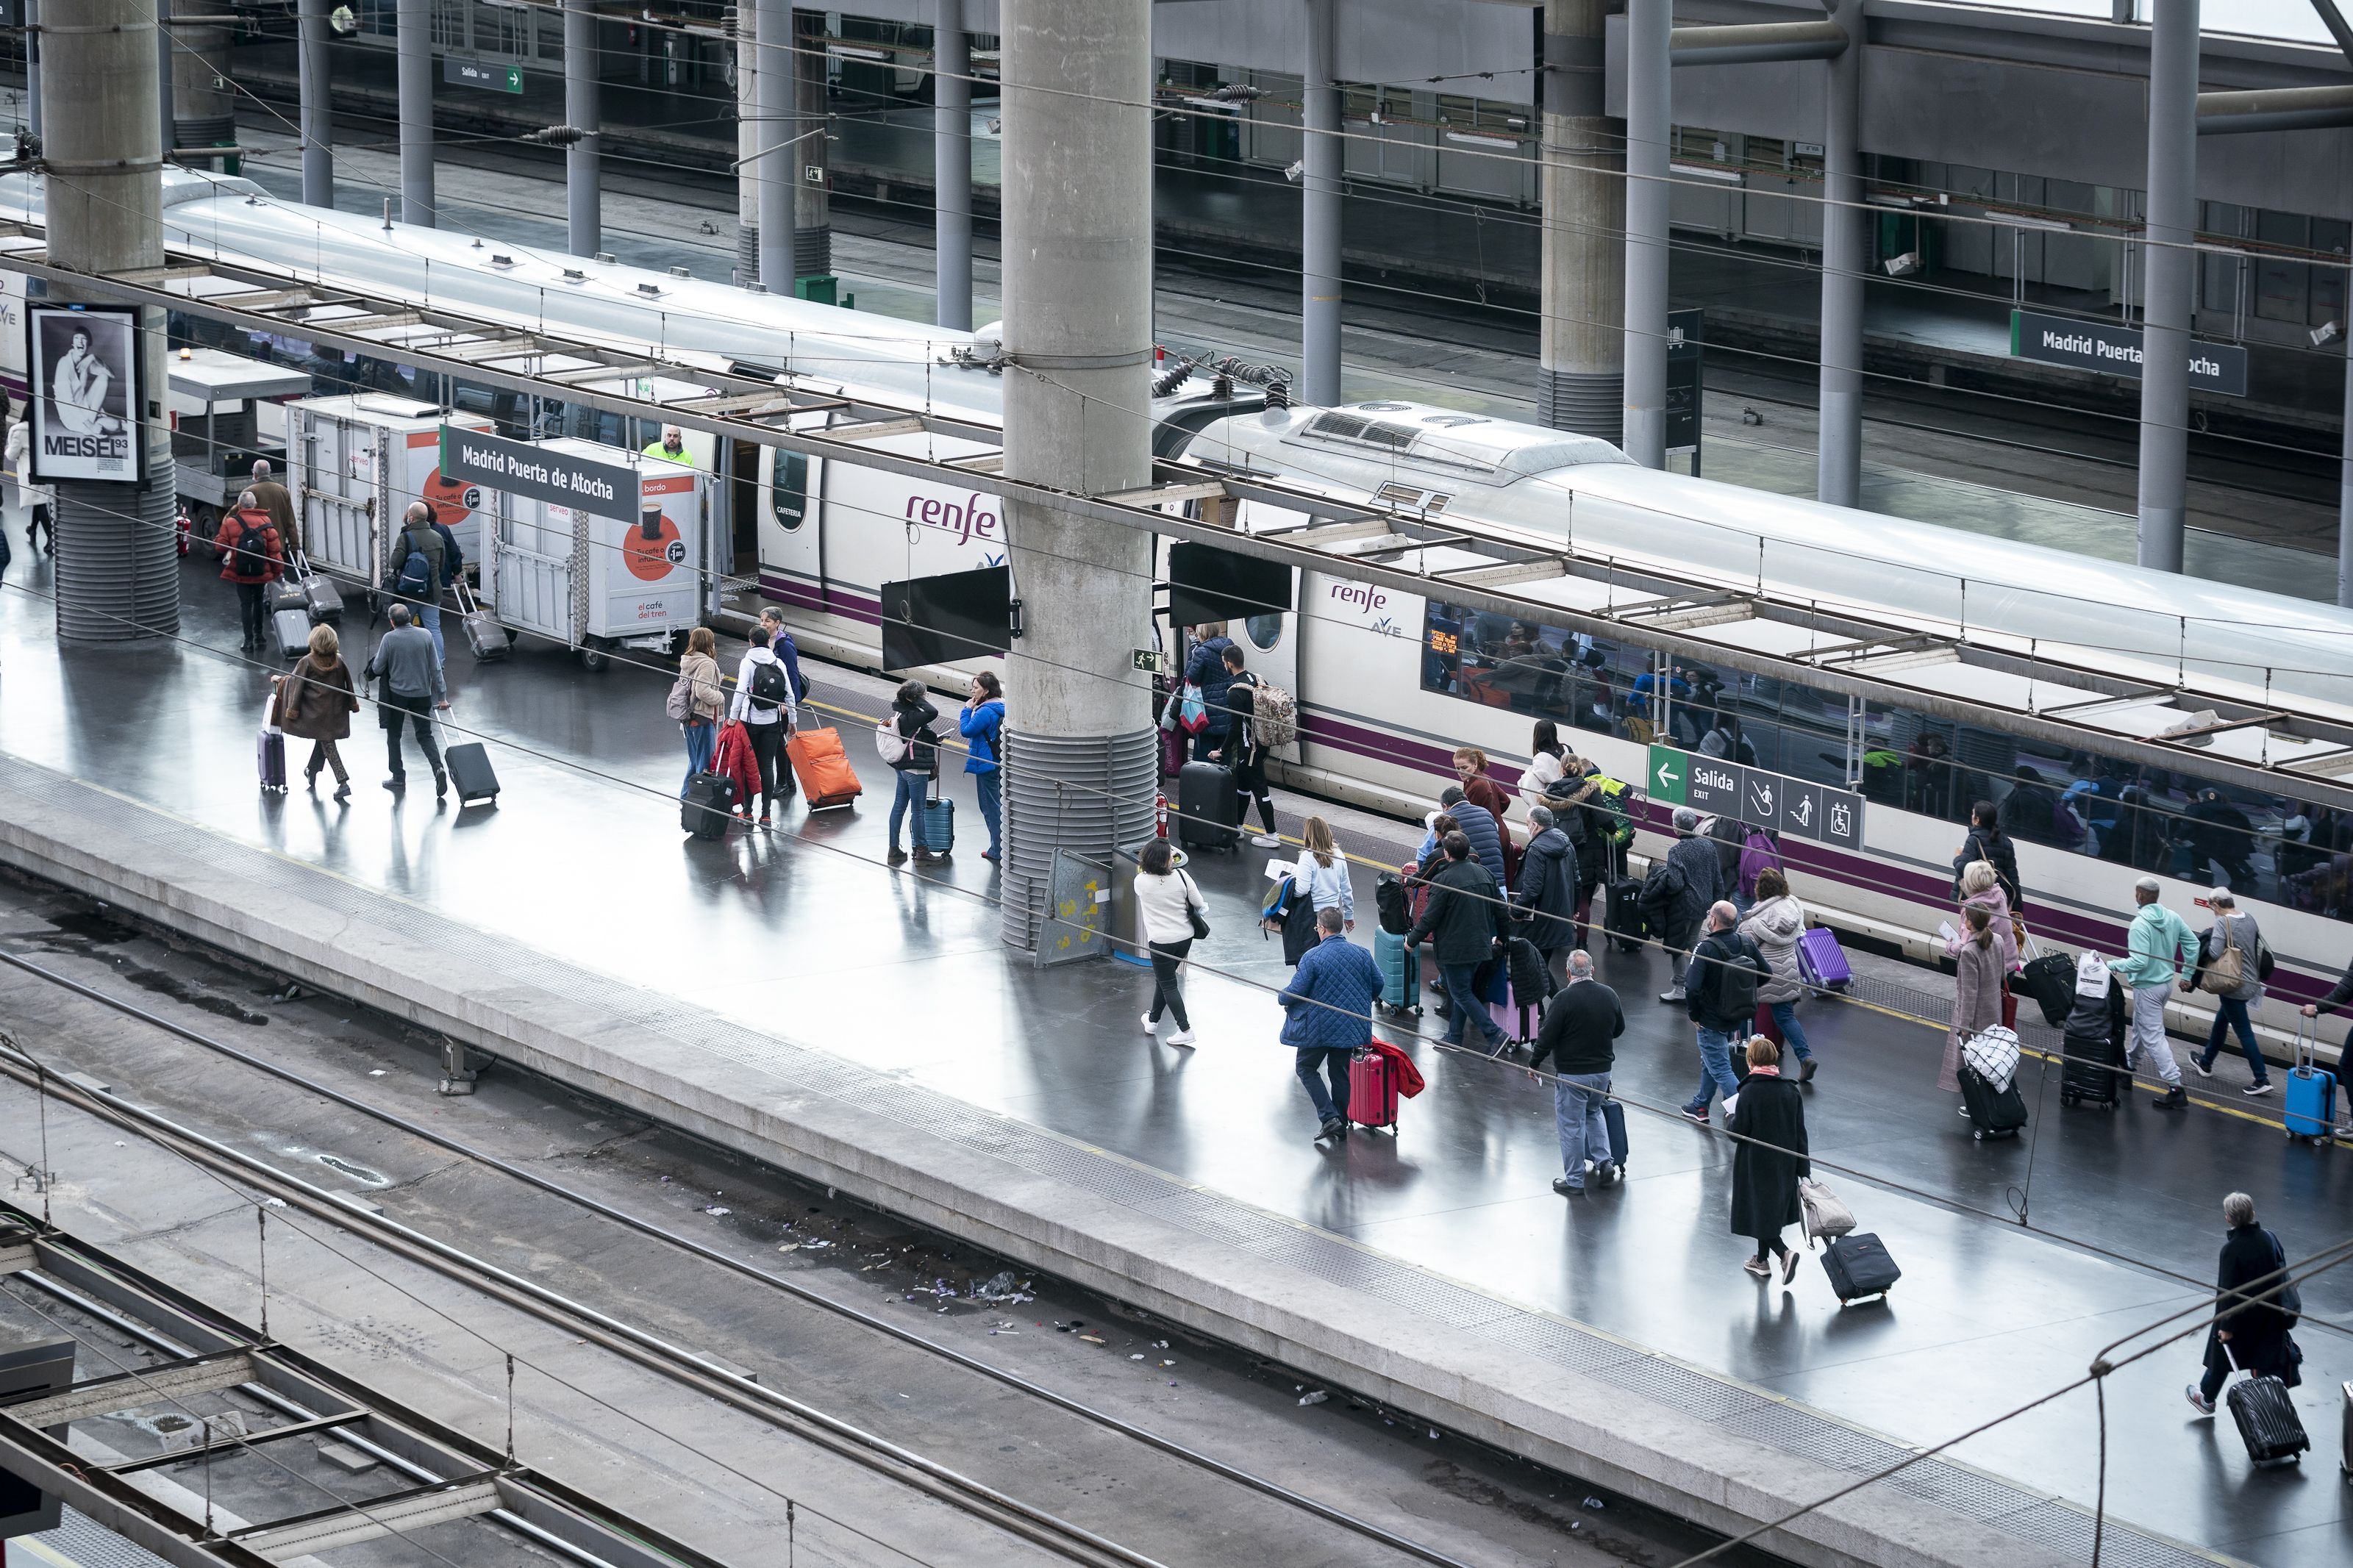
{"x": 1329, "y": 1004}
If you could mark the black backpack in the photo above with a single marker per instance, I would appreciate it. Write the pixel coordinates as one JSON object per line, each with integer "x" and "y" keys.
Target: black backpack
{"x": 768, "y": 685}
{"x": 1737, "y": 978}
{"x": 245, "y": 560}
{"x": 1389, "y": 899}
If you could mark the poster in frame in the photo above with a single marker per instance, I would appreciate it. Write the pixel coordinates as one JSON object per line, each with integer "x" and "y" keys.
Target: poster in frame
{"x": 84, "y": 370}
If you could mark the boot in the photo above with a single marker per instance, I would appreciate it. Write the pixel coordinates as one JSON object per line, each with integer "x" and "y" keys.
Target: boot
{"x": 2174, "y": 1098}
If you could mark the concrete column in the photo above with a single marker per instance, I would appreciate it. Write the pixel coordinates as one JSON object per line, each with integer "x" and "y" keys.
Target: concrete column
{"x": 952, "y": 164}
{"x": 2345, "y": 491}
{"x": 1581, "y": 378}
{"x": 317, "y": 88}
{"x": 1649, "y": 23}
{"x": 204, "y": 110}
{"x": 33, "y": 66}
{"x": 773, "y": 85}
{"x": 1319, "y": 186}
{"x": 118, "y": 576}
{"x": 413, "y": 20}
{"x": 1081, "y": 767}
{"x": 748, "y": 141}
{"x": 2172, "y": 273}
{"x": 812, "y": 199}
{"x": 165, "y": 118}
{"x": 1846, "y": 252}
{"x": 584, "y": 184}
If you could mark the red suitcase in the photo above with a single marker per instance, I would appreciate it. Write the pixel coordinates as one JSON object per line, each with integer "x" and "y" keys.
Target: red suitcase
{"x": 1372, "y": 1090}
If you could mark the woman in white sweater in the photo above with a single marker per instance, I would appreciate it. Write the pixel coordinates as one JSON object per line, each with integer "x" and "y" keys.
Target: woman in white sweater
{"x": 1323, "y": 873}
{"x": 1547, "y": 761}
{"x": 1173, "y": 913}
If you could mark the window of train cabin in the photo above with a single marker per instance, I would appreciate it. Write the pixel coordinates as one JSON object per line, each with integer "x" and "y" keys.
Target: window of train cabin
{"x": 788, "y": 494}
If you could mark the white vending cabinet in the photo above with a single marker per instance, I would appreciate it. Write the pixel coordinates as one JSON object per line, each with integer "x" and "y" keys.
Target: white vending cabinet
{"x": 596, "y": 582}
{"x": 359, "y": 461}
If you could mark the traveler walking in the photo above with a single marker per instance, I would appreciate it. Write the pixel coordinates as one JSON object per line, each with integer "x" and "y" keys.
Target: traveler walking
{"x": 1678, "y": 893}
{"x": 1988, "y": 843}
{"x": 1581, "y": 1026}
{"x": 1768, "y": 1161}
{"x": 252, "y": 558}
{"x": 1477, "y": 824}
{"x": 2252, "y": 1309}
{"x": 1173, "y": 914}
{"x": 420, "y": 560}
{"x": 35, "y": 500}
{"x": 2338, "y": 995}
{"x": 1480, "y": 788}
{"x": 1775, "y": 925}
{"x": 981, "y": 723}
{"x": 273, "y": 499}
{"x": 2161, "y": 950}
{"x": 2235, "y": 943}
{"x": 1464, "y": 920}
{"x": 916, "y": 765}
{"x": 1976, "y": 990}
{"x": 764, "y": 706}
{"x": 1328, "y": 1015}
{"x": 1323, "y": 873}
{"x": 1241, "y": 750}
{"x": 1547, "y": 760}
{"x": 1548, "y": 886}
{"x": 781, "y": 644}
{"x": 315, "y": 703}
{"x": 1719, "y": 991}
{"x": 1205, "y": 668}
{"x": 695, "y": 701}
{"x": 410, "y": 692}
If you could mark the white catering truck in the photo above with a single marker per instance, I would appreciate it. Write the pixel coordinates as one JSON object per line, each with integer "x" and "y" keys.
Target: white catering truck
{"x": 359, "y": 461}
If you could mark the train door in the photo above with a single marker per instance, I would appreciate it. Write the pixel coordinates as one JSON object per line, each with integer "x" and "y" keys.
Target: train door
{"x": 792, "y": 527}
{"x": 744, "y": 481}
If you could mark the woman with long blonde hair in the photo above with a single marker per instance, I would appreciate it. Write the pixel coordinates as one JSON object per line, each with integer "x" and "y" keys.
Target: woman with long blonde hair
{"x": 1323, "y": 873}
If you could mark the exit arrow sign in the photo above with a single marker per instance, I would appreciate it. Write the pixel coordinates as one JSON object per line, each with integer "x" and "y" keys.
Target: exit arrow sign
{"x": 1667, "y": 777}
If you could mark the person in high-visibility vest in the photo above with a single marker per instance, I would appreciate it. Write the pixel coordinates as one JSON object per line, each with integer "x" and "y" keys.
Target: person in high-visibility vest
{"x": 671, "y": 447}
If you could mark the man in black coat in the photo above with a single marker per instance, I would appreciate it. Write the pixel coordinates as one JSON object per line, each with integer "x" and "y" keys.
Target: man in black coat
{"x": 1679, "y": 891}
{"x": 1549, "y": 885}
{"x": 1720, "y": 993}
{"x": 1581, "y": 1026}
{"x": 1464, "y": 920}
{"x": 2247, "y": 1332}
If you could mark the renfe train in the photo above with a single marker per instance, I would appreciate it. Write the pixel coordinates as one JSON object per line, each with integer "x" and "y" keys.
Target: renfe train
{"x": 1389, "y": 684}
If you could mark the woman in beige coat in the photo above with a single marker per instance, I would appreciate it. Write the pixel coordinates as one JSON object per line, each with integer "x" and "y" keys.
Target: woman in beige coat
{"x": 1977, "y": 993}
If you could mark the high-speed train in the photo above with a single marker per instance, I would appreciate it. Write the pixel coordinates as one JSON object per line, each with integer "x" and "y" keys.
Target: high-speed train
{"x": 1389, "y": 684}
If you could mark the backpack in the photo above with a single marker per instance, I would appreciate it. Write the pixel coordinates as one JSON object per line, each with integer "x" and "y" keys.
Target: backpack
{"x": 1737, "y": 978}
{"x": 415, "y": 580}
{"x": 1274, "y": 717}
{"x": 888, "y": 745}
{"x": 244, "y": 559}
{"x": 1389, "y": 899}
{"x": 768, "y": 684}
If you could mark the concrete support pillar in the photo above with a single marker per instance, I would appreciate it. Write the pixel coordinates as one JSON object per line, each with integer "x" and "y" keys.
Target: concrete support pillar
{"x": 164, "y": 117}
{"x": 952, "y": 164}
{"x": 316, "y": 88}
{"x": 772, "y": 22}
{"x": 413, "y": 20}
{"x": 2172, "y": 273}
{"x": 1581, "y": 378}
{"x": 812, "y": 199}
{"x": 33, "y": 66}
{"x": 1649, "y": 23}
{"x": 118, "y": 575}
{"x": 748, "y": 141}
{"x": 1081, "y": 767}
{"x": 584, "y": 182}
{"x": 2345, "y": 492}
{"x": 1319, "y": 185}
{"x": 204, "y": 109}
{"x": 1846, "y": 252}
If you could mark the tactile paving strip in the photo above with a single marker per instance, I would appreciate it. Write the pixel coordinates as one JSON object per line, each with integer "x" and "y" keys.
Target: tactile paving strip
{"x": 2053, "y": 1523}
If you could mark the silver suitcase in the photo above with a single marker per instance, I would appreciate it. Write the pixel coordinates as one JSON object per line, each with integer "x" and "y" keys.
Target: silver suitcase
{"x": 487, "y": 638}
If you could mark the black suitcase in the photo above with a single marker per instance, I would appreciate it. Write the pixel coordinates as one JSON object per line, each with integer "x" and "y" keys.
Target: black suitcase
{"x": 291, "y": 628}
{"x": 471, "y": 778}
{"x": 1206, "y": 808}
{"x": 2268, "y": 1423}
{"x": 1623, "y": 918}
{"x": 708, "y": 805}
{"x": 2345, "y": 1452}
{"x": 1858, "y": 1266}
{"x": 2094, "y": 1073}
{"x": 2049, "y": 979}
{"x": 1991, "y": 1114}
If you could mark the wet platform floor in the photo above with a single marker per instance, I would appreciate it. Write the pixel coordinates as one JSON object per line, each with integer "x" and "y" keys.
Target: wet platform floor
{"x": 804, "y": 930}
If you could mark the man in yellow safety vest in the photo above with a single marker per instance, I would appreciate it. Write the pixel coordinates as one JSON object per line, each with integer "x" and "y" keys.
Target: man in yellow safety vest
{"x": 671, "y": 447}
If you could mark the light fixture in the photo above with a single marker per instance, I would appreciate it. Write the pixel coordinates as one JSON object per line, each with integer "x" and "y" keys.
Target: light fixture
{"x": 1298, "y": 167}
{"x": 1902, "y": 265}
{"x": 341, "y": 20}
{"x": 2327, "y": 332}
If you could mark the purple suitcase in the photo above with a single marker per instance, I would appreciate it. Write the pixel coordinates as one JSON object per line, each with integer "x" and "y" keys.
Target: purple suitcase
{"x": 1820, "y": 960}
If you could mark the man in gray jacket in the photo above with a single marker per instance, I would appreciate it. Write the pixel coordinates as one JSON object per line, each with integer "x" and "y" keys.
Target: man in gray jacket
{"x": 1680, "y": 892}
{"x": 412, "y": 689}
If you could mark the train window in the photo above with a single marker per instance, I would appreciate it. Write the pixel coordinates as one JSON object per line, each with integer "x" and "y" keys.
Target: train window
{"x": 1264, "y": 631}
{"x": 789, "y": 490}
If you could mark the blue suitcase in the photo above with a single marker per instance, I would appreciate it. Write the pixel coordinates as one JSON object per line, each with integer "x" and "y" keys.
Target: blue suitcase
{"x": 1613, "y": 1116}
{"x": 939, "y": 824}
{"x": 2311, "y": 1099}
{"x": 1401, "y": 969}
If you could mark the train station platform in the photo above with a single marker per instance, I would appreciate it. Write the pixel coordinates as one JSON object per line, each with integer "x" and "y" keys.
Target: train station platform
{"x": 788, "y": 996}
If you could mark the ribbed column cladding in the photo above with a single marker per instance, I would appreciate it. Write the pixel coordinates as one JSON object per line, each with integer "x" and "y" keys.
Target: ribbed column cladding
{"x": 1590, "y": 405}
{"x": 1090, "y": 796}
{"x": 118, "y": 575}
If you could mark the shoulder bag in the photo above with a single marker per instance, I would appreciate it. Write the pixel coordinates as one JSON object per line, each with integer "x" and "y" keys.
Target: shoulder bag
{"x": 1192, "y": 909}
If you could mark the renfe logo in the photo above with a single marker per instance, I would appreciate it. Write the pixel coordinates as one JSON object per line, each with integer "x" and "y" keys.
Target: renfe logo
{"x": 1369, "y": 599}
{"x": 966, "y": 520}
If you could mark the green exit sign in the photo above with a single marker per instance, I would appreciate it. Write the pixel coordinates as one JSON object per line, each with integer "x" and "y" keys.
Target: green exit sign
{"x": 485, "y": 76}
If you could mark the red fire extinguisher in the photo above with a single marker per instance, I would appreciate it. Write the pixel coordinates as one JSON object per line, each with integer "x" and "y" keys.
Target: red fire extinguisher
{"x": 1160, "y": 816}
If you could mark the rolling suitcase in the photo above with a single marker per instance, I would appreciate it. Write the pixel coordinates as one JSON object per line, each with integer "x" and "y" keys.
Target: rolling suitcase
{"x": 484, "y": 637}
{"x": 822, "y": 767}
{"x": 2049, "y": 979}
{"x": 1821, "y": 961}
{"x": 1401, "y": 970}
{"x": 1207, "y": 806}
{"x": 2094, "y": 1073}
{"x": 320, "y": 599}
{"x": 1613, "y": 1117}
{"x": 1623, "y": 920}
{"x": 269, "y": 750}
{"x": 1858, "y": 1266}
{"x": 1372, "y": 1091}
{"x": 2310, "y": 1103}
{"x": 2268, "y": 1423}
{"x": 471, "y": 778}
{"x": 290, "y": 629}
{"x": 2345, "y": 1452}
{"x": 1993, "y": 1113}
{"x": 286, "y": 592}
{"x": 708, "y": 804}
{"x": 938, "y": 816}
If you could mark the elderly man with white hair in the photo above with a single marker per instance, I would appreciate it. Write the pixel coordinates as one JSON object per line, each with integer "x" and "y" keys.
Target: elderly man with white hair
{"x": 1581, "y": 1026}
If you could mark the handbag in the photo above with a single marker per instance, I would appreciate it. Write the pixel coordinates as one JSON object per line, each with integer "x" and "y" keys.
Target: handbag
{"x": 1200, "y": 921}
{"x": 2290, "y": 1299}
{"x": 1827, "y": 1217}
{"x": 2226, "y": 971}
{"x": 1168, "y": 709}
{"x": 1192, "y": 712}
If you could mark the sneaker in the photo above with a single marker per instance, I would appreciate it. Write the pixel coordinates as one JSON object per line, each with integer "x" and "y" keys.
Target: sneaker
{"x": 1335, "y": 1131}
{"x": 989, "y": 854}
{"x": 2198, "y": 1402}
{"x": 344, "y": 790}
{"x": 1266, "y": 841}
{"x": 2257, "y": 1090}
{"x": 1806, "y": 1070}
{"x": 1788, "y": 1266}
{"x": 1181, "y": 1037}
{"x": 2174, "y": 1098}
{"x": 396, "y": 783}
{"x": 1567, "y": 1188}
{"x": 1758, "y": 1269}
{"x": 897, "y": 857}
{"x": 1675, "y": 995}
{"x": 1151, "y": 1025}
{"x": 2203, "y": 1070}
{"x": 764, "y": 820}
{"x": 1697, "y": 1117}
{"x": 440, "y": 786}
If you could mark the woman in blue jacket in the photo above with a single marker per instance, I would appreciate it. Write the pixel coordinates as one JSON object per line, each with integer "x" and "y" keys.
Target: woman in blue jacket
{"x": 980, "y": 723}
{"x": 1205, "y": 667}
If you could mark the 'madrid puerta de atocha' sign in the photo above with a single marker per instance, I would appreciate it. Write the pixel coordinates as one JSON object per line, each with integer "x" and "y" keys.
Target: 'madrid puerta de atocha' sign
{"x": 1713, "y": 787}
{"x": 2116, "y": 351}
{"x": 559, "y": 478}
